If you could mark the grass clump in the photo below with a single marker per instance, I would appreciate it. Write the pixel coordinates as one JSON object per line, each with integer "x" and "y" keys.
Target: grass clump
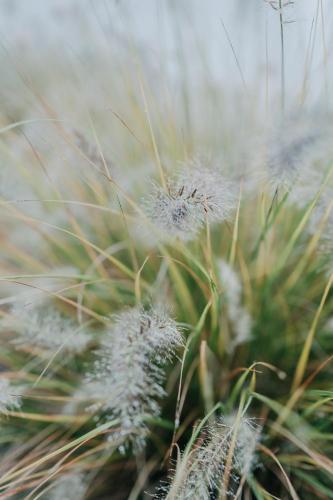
{"x": 166, "y": 315}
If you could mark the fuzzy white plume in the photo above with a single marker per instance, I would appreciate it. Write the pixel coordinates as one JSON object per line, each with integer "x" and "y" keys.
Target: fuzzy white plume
{"x": 40, "y": 324}
{"x": 295, "y": 149}
{"x": 9, "y": 396}
{"x": 240, "y": 319}
{"x": 197, "y": 195}
{"x": 128, "y": 375}
{"x": 201, "y": 472}
{"x": 70, "y": 487}
{"x": 322, "y": 217}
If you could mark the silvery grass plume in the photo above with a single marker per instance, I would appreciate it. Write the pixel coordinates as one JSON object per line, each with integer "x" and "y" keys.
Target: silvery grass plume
{"x": 41, "y": 324}
{"x": 329, "y": 324}
{"x": 198, "y": 194}
{"x": 239, "y": 317}
{"x": 128, "y": 374}
{"x": 10, "y": 398}
{"x": 309, "y": 184}
{"x": 56, "y": 277}
{"x": 225, "y": 455}
{"x": 69, "y": 487}
{"x": 322, "y": 218}
{"x": 295, "y": 148}
{"x": 86, "y": 392}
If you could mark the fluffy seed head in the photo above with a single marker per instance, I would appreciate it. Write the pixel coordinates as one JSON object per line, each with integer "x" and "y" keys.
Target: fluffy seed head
{"x": 70, "y": 487}
{"x": 9, "y": 396}
{"x": 247, "y": 434}
{"x": 329, "y": 325}
{"x": 40, "y": 324}
{"x": 307, "y": 187}
{"x": 231, "y": 284}
{"x": 239, "y": 317}
{"x": 198, "y": 194}
{"x": 295, "y": 148}
{"x": 322, "y": 215}
{"x": 128, "y": 375}
{"x": 201, "y": 473}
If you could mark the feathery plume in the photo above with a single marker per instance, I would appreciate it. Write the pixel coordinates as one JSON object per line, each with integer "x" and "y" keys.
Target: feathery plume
{"x": 294, "y": 149}
{"x": 307, "y": 187}
{"x": 40, "y": 324}
{"x": 329, "y": 325}
{"x": 323, "y": 215}
{"x": 89, "y": 393}
{"x": 128, "y": 375}
{"x": 9, "y": 396}
{"x": 239, "y": 317}
{"x": 69, "y": 487}
{"x": 201, "y": 472}
{"x": 247, "y": 433}
{"x": 198, "y": 194}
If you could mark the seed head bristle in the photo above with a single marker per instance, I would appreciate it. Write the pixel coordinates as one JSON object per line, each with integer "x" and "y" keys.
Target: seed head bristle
{"x": 198, "y": 194}
{"x": 42, "y": 325}
{"x": 128, "y": 373}
{"x": 69, "y": 487}
{"x": 201, "y": 473}
{"x": 10, "y": 398}
{"x": 240, "y": 319}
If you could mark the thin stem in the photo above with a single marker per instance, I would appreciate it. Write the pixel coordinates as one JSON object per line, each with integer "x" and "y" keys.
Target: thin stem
{"x": 304, "y": 357}
{"x": 283, "y": 83}
{"x": 325, "y": 53}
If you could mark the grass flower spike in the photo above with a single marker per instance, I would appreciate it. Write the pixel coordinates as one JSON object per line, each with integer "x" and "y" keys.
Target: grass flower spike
{"x": 9, "y": 396}
{"x": 70, "y": 487}
{"x": 128, "y": 374}
{"x": 199, "y": 194}
{"x": 239, "y": 318}
{"x": 322, "y": 215}
{"x": 40, "y": 324}
{"x": 203, "y": 471}
{"x": 295, "y": 148}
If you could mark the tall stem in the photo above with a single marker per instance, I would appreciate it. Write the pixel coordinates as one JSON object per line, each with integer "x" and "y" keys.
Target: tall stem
{"x": 282, "y": 56}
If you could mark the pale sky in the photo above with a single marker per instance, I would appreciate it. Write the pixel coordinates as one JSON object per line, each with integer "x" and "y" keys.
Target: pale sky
{"x": 186, "y": 32}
